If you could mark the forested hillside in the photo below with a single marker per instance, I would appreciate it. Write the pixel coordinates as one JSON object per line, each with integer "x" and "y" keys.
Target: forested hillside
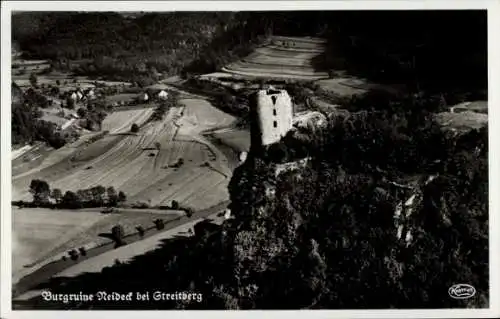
{"x": 110, "y": 44}
{"x": 424, "y": 49}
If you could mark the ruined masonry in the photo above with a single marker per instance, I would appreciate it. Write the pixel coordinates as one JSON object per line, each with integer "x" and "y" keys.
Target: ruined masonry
{"x": 272, "y": 117}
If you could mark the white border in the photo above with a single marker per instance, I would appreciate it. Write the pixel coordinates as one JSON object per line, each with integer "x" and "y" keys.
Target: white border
{"x": 494, "y": 99}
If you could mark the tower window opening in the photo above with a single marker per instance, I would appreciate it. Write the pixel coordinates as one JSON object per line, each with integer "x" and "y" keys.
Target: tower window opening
{"x": 274, "y": 112}
{"x": 274, "y": 99}
{"x": 275, "y": 124}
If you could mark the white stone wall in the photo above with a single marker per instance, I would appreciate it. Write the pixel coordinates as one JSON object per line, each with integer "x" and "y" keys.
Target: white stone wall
{"x": 274, "y": 117}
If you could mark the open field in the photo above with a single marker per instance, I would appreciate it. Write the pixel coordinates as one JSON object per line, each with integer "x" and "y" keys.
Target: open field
{"x": 461, "y": 122}
{"x": 126, "y": 97}
{"x": 43, "y": 234}
{"x": 475, "y": 106}
{"x": 68, "y": 81}
{"x": 282, "y": 57}
{"x": 133, "y": 164}
{"x": 37, "y": 231}
{"x": 20, "y": 151}
{"x": 28, "y": 66}
{"x": 121, "y": 121}
{"x": 237, "y": 139}
{"x": 29, "y": 157}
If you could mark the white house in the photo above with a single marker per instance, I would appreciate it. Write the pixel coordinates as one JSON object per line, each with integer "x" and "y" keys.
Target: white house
{"x": 227, "y": 213}
{"x": 76, "y": 95}
{"x": 79, "y": 95}
{"x": 90, "y": 94}
{"x": 162, "y": 95}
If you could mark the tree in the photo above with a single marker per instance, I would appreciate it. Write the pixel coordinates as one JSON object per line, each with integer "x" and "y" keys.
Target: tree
{"x": 117, "y": 233}
{"x": 83, "y": 251}
{"x": 112, "y": 196}
{"x": 70, "y": 103}
{"x": 54, "y": 90}
{"x": 40, "y": 190}
{"x": 134, "y": 128}
{"x": 33, "y": 80}
{"x": 58, "y": 82}
{"x": 73, "y": 254}
{"x": 140, "y": 230}
{"x": 84, "y": 195}
{"x": 175, "y": 204}
{"x": 70, "y": 199}
{"x": 159, "y": 223}
{"x": 57, "y": 195}
{"x": 98, "y": 194}
{"x": 81, "y": 112}
{"x": 121, "y": 197}
{"x": 189, "y": 212}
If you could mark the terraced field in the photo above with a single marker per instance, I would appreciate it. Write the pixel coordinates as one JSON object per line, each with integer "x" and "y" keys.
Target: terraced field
{"x": 282, "y": 57}
{"x": 132, "y": 163}
{"x": 121, "y": 121}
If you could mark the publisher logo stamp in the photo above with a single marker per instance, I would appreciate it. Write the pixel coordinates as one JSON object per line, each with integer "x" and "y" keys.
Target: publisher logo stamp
{"x": 461, "y": 291}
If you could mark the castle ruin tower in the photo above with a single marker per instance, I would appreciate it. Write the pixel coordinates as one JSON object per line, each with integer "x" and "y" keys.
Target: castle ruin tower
{"x": 271, "y": 117}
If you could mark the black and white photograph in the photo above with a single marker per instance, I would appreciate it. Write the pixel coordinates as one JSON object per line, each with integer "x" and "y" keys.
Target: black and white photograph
{"x": 247, "y": 159}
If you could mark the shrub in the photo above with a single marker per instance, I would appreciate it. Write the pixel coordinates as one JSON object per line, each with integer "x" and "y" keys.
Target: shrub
{"x": 73, "y": 254}
{"x": 140, "y": 205}
{"x": 159, "y": 223}
{"x": 134, "y": 128}
{"x": 117, "y": 232}
{"x": 140, "y": 230}
{"x": 175, "y": 204}
{"x": 83, "y": 251}
{"x": 189, "y": 212}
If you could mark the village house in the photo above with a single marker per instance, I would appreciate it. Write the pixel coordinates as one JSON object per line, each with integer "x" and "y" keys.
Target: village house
{"x": 77, "y": 95}
{"x": 89, "y": 93}
{"x": 162, "y": 95}
{"x": 143, "y": 97}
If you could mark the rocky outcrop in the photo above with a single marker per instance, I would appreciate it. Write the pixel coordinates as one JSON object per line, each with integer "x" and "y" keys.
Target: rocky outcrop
{"x": 464, "y": 117}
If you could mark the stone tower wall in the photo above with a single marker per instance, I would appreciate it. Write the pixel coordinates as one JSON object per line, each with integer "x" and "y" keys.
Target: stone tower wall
{"x": 273, "y": 116}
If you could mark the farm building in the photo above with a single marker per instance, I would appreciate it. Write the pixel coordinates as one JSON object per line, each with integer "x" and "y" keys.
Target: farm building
{"x": 89, "y": 93}
{"x": 162, "y": 95}
{"x": 76, "y": 95}
{"x": 143, "y": 97}
{"x": 272, "y": 115}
